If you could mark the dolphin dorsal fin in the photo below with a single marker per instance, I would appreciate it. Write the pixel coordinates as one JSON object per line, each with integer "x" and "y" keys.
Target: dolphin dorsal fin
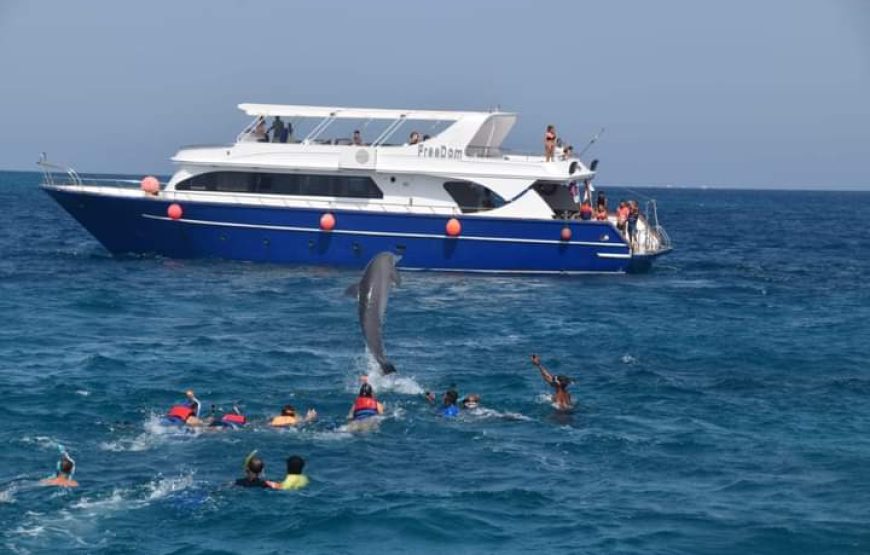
{"x": 352, "y": 291}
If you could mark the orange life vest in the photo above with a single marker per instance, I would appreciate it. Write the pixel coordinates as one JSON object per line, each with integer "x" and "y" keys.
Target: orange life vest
{"x": 234, "y": 419}
{"x": 181, "y": 412}
{"x": 364, "y": 407}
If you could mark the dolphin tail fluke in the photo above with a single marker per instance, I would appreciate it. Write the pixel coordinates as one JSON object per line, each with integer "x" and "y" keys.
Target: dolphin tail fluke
{"x": 387, "y": 367}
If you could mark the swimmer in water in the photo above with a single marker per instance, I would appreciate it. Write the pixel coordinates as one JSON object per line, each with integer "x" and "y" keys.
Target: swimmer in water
{"x": 294, "y": 479}
{"x": 366, "y": 405}
{"x": 561, "y": 397}
{"x": 253, "y": 474}
{"x": 187, "y": 412}
{"x": 232, "y": 420}
{"x": 288, "y": 417}
{"x": 449, "y": 407}
{"x": 471, "y": 401}
{"x": 63, "y": 477}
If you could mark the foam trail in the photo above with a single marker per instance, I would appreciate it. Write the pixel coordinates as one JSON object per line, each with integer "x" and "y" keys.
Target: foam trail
{"x": 483, "y": 413}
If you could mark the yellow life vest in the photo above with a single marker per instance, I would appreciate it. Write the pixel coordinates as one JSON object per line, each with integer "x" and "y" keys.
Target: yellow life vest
{"x": 294, "y": 481}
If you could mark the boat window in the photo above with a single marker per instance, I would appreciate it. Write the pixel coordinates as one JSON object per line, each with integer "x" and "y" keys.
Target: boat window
{"x": 283, "y": 184}
{"x": 472, "y": 197}
{"x": 557, "y": 196}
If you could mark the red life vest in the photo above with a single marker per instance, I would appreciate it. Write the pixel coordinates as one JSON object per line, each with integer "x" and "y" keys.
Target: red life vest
{"x": 365, "y": 403}
{"x": 233, "y": 418}
{"x": 182, "y": 412}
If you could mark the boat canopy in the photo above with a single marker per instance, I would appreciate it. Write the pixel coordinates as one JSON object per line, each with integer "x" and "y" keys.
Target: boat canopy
{"x": 337, "y": 112}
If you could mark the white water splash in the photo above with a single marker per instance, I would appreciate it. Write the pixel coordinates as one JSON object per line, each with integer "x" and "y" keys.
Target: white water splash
{"x": 164, "y": 487}
{"x": 389, "y": 383}
{"x": 395, "y": 383}
{"x": 83, "y": 392}
{"x": 628, "y": 359}
{"x": 155, "y": 431}
{"x": 8, "y": 495}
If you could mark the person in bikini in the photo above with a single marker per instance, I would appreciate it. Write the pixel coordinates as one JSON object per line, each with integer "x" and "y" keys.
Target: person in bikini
{"x": 550, "y": 144}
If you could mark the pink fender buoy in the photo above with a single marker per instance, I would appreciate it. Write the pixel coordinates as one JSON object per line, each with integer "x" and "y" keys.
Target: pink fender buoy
{"x": 150, "y": 185}
{"x": 566, "y": 233}
{"x": 174, "y": 211}
{"x": 327, "y": 222}
{"x": 453, "y": 227}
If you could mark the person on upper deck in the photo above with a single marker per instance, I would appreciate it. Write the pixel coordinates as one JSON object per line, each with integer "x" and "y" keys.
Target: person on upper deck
{"x": 286, "y": 133}
{"x": 550, "y": 143}
{"x": 414, "y": 138}
{"x": 277, "y": 129}
{"x": 356, "y": 139}
{"x": 260, "y": 133}
{"x": 568, "y": 152}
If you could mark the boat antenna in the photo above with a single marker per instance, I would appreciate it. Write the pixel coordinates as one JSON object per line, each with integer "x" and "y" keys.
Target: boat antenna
{"x": 591, "y": 142}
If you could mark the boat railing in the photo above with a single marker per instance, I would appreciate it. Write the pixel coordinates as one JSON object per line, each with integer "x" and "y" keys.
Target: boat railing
{"x": 656, "y": 238}
{"x": 53, "y": 174}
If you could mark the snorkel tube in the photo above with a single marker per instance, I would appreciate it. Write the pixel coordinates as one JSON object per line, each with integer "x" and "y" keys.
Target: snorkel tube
{"x": 64, "y": 456}
{"x": 250, "y": 456}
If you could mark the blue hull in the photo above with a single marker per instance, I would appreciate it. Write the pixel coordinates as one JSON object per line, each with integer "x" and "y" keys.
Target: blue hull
{"x": 292, "y": 235}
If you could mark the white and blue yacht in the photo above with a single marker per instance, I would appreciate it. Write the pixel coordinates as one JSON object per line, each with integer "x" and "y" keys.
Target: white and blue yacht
{"x": 448, "y": 198}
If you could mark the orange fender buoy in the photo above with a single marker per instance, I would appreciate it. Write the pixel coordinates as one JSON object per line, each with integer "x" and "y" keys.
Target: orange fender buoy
{"x": 453, "y": 227}
{"x": 327, "y": 222}
{"x": 566, "y": 233}
{"x": 150, "y": 185}
{"x": 174, "y": 211}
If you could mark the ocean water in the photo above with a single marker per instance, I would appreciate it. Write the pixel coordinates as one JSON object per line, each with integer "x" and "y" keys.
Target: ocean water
{"x": 723, "y": 400}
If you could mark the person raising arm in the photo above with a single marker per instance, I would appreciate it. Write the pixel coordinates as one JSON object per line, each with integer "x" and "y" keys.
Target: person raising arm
{"x": 561, "y": 397}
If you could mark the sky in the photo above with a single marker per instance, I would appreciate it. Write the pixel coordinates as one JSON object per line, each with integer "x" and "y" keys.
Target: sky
{"x": 760, "y": 93}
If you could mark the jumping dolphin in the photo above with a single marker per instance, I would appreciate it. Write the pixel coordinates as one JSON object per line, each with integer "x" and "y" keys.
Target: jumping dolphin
{"x": 372, "y": 293}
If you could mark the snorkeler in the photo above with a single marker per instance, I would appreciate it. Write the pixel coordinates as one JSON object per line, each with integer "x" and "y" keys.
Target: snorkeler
{"x": 471, "y": 401}
{"x": 186, "y": 412}
{"x": 449, "y": 407}
{"x": 365, "y": 406}
{"x": 288, "y": 417}
{"x": 294, "y": 479}
{"x": 253, "y": 473}
{"x": 64, "y": 471}
{"x": 232, "y": 420}
{"x": 561, "y": 397}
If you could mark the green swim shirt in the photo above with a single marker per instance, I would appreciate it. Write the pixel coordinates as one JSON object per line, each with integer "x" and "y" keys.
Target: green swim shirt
{"x": 294, "y": 481}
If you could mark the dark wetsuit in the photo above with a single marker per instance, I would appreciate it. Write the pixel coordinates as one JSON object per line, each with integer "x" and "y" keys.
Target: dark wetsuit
{"x": 255, "y": 483}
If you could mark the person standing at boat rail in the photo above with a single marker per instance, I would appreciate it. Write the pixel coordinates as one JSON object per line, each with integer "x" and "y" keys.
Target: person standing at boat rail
{"x": 550, "y": 143}
{"x": 633, "y": 217}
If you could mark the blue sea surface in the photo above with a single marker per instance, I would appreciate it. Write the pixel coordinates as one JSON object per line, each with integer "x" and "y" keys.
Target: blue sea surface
{"x": 723, "y": 399}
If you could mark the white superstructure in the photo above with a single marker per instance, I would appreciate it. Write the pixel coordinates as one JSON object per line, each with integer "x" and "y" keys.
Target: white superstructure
{"x": 411, "y": 176}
